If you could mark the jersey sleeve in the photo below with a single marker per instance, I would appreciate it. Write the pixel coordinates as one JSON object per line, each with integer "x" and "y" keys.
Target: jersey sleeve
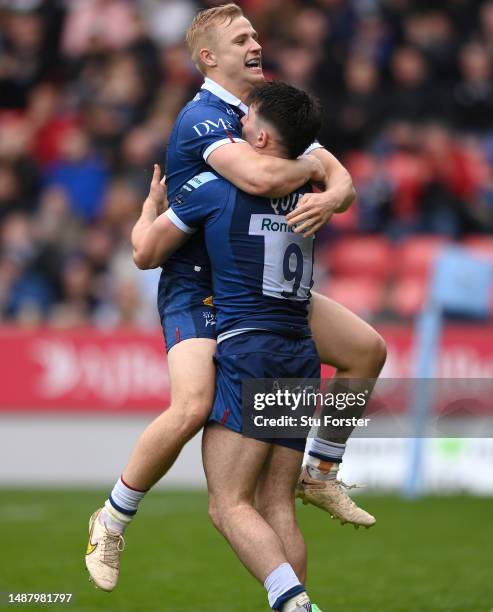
{"x": 315, "y": 145}
{"x": 197, "y": 202}
{"x": 206, "y": 127}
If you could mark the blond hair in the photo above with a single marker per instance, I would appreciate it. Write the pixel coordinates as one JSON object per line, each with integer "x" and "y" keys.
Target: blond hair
{"x": 201, "y": 25}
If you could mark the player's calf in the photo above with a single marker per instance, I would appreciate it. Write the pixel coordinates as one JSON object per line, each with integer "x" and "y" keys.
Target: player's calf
{"x": 274, "y": 500}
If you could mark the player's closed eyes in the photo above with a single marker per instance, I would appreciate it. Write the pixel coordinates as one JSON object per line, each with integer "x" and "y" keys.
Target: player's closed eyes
{"x": 243, "y": 39}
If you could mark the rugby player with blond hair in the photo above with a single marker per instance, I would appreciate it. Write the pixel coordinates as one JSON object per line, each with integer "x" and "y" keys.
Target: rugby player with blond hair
{"x": 207, "y": 135}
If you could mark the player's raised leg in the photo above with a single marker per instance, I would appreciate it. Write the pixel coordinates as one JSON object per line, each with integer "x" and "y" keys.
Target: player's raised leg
{"x": 357, "y": 351}
{"x": 154, "y": 454}
{"x": 232, "y": 465}
{"x": 274, "y": 499}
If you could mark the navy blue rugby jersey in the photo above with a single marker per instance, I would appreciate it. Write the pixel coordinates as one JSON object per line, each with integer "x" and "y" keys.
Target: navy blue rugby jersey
{"x": 210, "y": 120}
{"x": 261, "y": 270}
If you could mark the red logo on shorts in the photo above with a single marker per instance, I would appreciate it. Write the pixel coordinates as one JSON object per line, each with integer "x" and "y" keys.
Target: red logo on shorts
{"x": 226, "y": 414}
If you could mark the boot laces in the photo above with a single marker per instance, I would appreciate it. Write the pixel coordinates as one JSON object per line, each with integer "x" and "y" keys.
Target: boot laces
{"x": 112, "y": 544}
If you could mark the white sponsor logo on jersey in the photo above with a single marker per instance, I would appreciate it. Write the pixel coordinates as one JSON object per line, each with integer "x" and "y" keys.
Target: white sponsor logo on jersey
{"x": 208, "y": 126}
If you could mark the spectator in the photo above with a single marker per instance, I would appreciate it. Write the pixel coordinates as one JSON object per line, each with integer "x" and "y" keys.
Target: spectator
{"x": 19, "y": 179}
{"x": 98, "y": 26}
{"x": 24, "y": 57}
{"x": 167, "y": 21}
{"x": 412, "y": 97}
{"x": 89, "y": 91}
{"x": 473, "y": 93}
{"x": 432, "y": 33}
{"x": 359, "y": 114}
{"x": 81, "y": 173}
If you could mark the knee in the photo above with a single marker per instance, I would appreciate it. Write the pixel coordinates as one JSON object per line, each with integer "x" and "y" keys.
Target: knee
{"x": 378, "y": 351}
{"x": 192, "y": 412}
{"x": 220, "y": 514}
{"x": 215, "y": 514}
{"x": 373, "y": 354}
{"x": 275, "y": 510}
{"x": 264, "y": 507}
{"x": 225, "y": 512}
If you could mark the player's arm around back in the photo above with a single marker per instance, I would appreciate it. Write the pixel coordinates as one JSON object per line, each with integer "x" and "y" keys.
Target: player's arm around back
{"x": 154, "y": 237}
{"x": 159, "y": 242}
{"x": 315, "y": 209}
{"x": 339, "y": 183}
{"x": 264, "y": 175}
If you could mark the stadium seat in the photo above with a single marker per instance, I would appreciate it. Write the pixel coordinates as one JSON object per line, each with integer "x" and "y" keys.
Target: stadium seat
{"x": 408, "y": 295}
{"x": 364, "y": 296}
{"x": 415, "y": 255}
{"x": 360, "y": 256}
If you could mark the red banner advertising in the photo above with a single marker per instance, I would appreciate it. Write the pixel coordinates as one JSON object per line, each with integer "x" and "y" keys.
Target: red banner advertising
{"x": 125, "y": 371}
{"x": 83, "y": 369}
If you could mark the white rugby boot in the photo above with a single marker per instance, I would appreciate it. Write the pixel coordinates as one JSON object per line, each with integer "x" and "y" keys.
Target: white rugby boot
{"x": 103, "y": 553}
{"x": 301, "y": 603}
{"x": 331, "y": 495}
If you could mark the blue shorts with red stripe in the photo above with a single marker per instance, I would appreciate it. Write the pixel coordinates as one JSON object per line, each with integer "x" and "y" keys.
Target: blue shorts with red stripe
{"x": 259, "y": 354}
{"x": 185, "y": 305}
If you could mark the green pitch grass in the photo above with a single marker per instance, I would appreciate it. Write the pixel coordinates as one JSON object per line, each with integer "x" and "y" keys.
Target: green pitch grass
{"x": 432, "y": 555}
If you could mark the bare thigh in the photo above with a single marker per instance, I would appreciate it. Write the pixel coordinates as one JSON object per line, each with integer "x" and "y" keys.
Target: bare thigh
{"x": 192, "y": 374}
{"x": 279, "y": 476}
{"x": 345, "y": 341}
{"x": 232, "y": 463}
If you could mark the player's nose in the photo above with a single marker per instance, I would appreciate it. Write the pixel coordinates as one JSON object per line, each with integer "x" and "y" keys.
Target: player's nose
{"x": 255, "y": 45}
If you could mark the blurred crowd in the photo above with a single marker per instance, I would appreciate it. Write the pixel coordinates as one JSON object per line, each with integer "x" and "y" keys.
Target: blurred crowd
{"x": 89, "y": 90}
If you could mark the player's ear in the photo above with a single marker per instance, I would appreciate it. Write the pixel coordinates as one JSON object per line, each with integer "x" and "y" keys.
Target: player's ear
{"x": 262, "y": 139}
{"x": 208, "y": 58}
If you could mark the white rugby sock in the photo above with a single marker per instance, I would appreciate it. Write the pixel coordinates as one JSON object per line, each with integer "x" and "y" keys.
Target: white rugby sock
{"x": 121, "y": 506}
{"x": 324, "y": 451}
{"x": 282, "y": 581}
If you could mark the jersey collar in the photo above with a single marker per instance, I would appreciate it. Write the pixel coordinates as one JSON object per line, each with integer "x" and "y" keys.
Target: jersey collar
{"x": 224, "y": 95}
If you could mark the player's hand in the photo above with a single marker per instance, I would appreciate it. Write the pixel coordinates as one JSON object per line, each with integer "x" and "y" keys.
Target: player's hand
{"x": 157, "y": 199}
{"x": 313, "y": 211}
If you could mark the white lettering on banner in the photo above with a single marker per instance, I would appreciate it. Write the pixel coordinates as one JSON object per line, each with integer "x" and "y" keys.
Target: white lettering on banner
{"x": 206, "y": 127}
{"x": 105, "y": 371}
{"x": 464, "y": 362}
{"x": 457, "y": 361}
{"x": 115, "y": 374}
